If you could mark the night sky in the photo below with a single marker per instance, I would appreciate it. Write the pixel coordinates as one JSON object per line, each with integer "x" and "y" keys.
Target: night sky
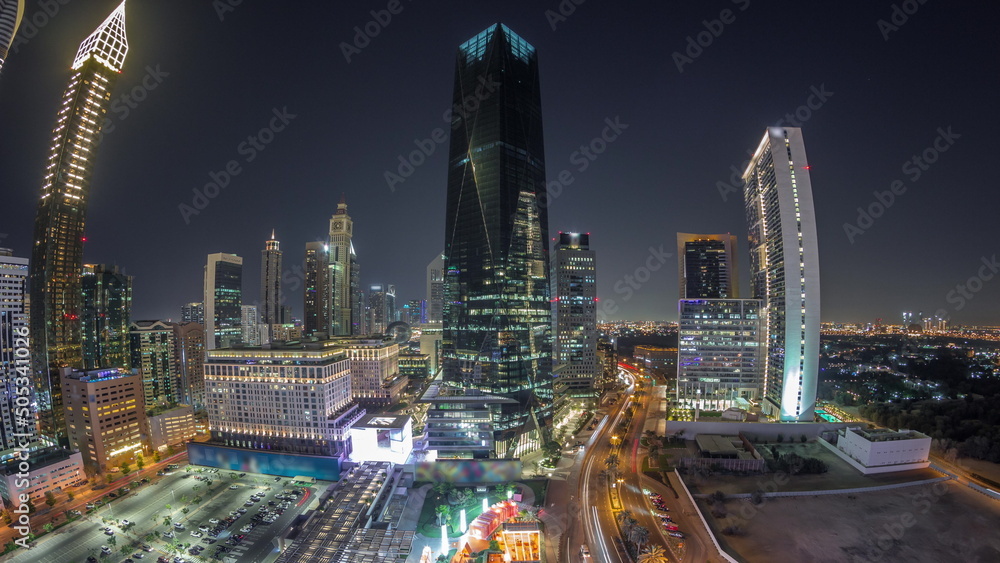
{"x": 884, "y": 102}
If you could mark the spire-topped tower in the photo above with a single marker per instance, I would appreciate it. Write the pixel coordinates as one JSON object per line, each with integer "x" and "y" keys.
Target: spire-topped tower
{"x": 341, "y": 232}
{"x": 107, "y": 44}
{"x": 270, "y": 283}
{"x": 57, "y": 255}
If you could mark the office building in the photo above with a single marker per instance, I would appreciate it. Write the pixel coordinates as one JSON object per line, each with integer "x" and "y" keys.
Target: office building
{"x": 189, "y": 354}
{"x": 574, "y": 316}
{"x": 154, "y": 354}
{"x": 461, "y": 423}
{"x": 49, "y": 469}
{"x": 11, "y": 12}
{"x": 170, "y": 425}
{"x": 316, "y": 301}
{"x": 193, "y": 313}
{"x": 497, "y": 315}
{"x": 379, "y": 307}
{"x": 719, "y": 354}
{"x": 708, "y": 266}
{"x": 105, "y": 416}
{"x": 784, "y": 271}
{"x": 341, "y": 250}
{"x": 106, "y": 316}
{"x": 658, "y": 358}
{"x": 411, "y": 312}
{"x": 358, "y": 325}
{"x": 57, "y": 255}
{"x": 15, "y": 427}
{"x": 435, "y": 289}
{"x": 271, "y": 299}
{"x": 223, "y": 300}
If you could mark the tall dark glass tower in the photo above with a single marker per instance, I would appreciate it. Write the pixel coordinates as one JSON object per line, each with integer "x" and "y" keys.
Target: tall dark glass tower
{"x": 708, "y": 266}
{"x": 57, "y": 255}
{"x": 106, "y": 317}
{"x": 497, "y": 316}
{"x": 271, "y": 312}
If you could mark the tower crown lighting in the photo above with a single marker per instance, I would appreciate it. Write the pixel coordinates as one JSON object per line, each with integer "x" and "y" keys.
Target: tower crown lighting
{"x": 107, "y": 44}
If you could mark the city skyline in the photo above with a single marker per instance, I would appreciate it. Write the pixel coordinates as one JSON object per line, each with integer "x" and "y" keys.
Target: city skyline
{"x": 898, "y": 263}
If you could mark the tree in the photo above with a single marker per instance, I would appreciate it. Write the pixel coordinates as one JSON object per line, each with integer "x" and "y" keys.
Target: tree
{"x": 781, "y": 438}
{"x": 156, "y": 456}
{"x": 112, "y": 540}
{"x": 50, "y": 498}
{"x": 443, "y": 514}
{"x": 109, "y": 477}
{"x": 757, "y": 497}
{"x": 654, "y": 554}
{"x": 443, "y": 488}
{"x": 803, "y": 438}
{"x": 718, "y": 496}
{"x": 170, "y": 450}
{"x": 70, "y": 495}
{"x": 494, "y": 545}
{"x": 166, "y": 519}
{"x": 48, "y": 527}
{"x": 139, "y": 461}
{"x": 126, "y": 468}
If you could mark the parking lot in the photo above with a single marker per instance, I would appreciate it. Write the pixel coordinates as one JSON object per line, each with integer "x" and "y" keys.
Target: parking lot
{"x": 190, "y": 514}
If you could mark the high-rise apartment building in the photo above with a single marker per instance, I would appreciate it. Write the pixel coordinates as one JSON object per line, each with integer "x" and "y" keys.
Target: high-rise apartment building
{"x": 250, "y": 326}
{"x": 435, "y": 289}
{"x": 189, "y": 354}
{"x": 105, "y": 415}
{"x": 154, "y": 354}
{"x": 223, "y": 300}
{"x": 57, "y": 255}
{"x": 358, "y": 325}
{"x": 719, "y": 352}
{"x": 105, "y": 318}
{"x": 497, "y": 315}
{"x": 708, "y": 266}
{"x": 14, "y": 336}
{"x": 193, "y": 313}
{"x": 11, "y": 13}
{"x": 784, "y": 270}
{"x": 378, "y": 308}
{"x": 574, "y": 316}
{"x": 341, "y": 250}
{"x": 271, "y": 310}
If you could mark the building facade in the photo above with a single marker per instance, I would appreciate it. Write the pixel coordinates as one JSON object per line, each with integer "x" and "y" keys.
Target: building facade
{"x": 375, "y": 377}
{"x": 316, "y": 301}
{"x": 154, "y": 354}
{"x": 708, "y": 266}
{"x": 435, "y": 289}
{"x": 720, "y": 355}
{"x": 341, "y": 250}
{"x": 279, "y": 398}
{"x": 497, "y": 314}
{"x": 193, "y": 313}
{"x": 105, "y": 415}
{"x": 50, "y": 469}
{"x": 106, "y": 317}
{"x": 11, "y": 13}
{"x": 170, "y": 426}
{"x": 461, "y": 423}
{"x": 574, "y": 316}
{"x": 784, "y": 271}
{"x": 271, "y": 311}
{"x": 250, "y": 329}
{"x": 223, "y": 300}
{"x": 14, "y": 336}
{"x": 57, "y": 255}
{"x": 189, "y": 354}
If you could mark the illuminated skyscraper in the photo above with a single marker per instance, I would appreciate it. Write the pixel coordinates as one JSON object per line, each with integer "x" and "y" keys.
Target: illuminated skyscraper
{"x": 107, "y": 314}
{"x": 11, "y": 12}
{"x": 574, "y": 316}
{"x": 497, "y": 316}
{"x": 13, "y": 321}
{"x": 271, "y": 312}
{"x": 193, "y": 313}
{"x": 154, "y": 355}
{"x": 784, "y": 271}
{"x": 708, "y": 266}
{"x": 341, "y": 249}
{"x": 435, "y": 289}
{"x": 316, "y": 304}
{"x": 57, "y": 255}
{"x": 223, "y": 300}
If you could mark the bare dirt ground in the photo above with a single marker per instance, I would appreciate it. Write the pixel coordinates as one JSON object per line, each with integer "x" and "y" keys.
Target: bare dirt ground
{"x": 840, "y": 475}
{"x": 942, "y": 522}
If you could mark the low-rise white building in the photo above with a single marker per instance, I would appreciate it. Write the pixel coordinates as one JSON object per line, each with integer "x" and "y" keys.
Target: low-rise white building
{"x": 49, "y": 469}
{"x": 882, "y": 450}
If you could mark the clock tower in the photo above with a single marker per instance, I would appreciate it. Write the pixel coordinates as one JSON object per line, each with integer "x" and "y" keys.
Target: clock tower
{"x": 341, "y": 230}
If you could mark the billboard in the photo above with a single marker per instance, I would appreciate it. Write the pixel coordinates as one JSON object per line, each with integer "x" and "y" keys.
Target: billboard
{"x": 267, "y": 463}
{"x": 469, "y": 471}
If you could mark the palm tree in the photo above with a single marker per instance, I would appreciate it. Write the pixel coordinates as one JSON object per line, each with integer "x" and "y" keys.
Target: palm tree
{"x": 654, "y": 554}
{"x": 611, "y": 461}
{"x": 639, "y": 535}
{"x": 623, "y": 516}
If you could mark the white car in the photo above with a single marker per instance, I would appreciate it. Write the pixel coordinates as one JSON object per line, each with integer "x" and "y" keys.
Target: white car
{"x": 195, "y": 534}
{"x": 213, "y": 521}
